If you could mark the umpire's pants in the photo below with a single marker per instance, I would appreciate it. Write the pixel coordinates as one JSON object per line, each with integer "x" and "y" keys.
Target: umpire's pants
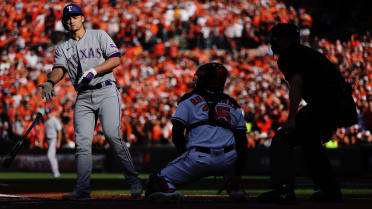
{"x": 312, "y": 127}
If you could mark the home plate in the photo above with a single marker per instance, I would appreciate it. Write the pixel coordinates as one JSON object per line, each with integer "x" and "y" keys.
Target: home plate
{"x": 12, "y": 196}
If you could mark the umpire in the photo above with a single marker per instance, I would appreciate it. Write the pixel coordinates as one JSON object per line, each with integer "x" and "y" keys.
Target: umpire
{"x": 313, "y": 78}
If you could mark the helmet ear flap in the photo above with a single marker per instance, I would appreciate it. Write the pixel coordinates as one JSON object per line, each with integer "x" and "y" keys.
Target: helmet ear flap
{"x": 70, "y": 10}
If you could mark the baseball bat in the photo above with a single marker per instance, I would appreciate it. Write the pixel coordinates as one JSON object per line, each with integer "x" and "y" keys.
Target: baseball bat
{"x": 10, "y": 157}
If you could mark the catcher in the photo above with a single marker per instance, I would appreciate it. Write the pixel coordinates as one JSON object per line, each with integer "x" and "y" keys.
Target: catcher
{"x": 215, "y": 141}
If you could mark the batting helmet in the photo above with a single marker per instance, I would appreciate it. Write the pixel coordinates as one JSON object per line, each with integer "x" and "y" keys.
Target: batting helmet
{"x": 210, "y": 76}
{"x": 68, "y": 11}
{"x": 288, "y": 30}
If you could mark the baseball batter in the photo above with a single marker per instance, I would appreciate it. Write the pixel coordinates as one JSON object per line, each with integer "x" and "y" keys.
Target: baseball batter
{"x": 89, "y": 56}
{"x": 215, "y": 136}
{"x": 53, "y": 135}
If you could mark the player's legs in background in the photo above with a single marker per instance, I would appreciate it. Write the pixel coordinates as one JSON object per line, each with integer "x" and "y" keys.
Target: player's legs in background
{"x": 52, "y": 156}
{"x": 84, "y": 124}
{"x": 110, "y": 116}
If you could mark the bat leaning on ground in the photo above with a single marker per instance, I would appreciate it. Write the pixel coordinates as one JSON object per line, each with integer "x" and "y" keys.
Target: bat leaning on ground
{"x": 10, "y": 157}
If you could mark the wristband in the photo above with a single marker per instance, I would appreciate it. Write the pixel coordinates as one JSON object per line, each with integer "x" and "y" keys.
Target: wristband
{"x": 52, "y": 82}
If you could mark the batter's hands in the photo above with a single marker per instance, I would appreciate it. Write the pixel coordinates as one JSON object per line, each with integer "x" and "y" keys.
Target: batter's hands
{"x": 47, "y": 90}
{"x": 87, "y": 76}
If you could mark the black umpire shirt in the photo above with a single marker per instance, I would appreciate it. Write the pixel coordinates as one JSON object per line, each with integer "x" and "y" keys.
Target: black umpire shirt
{"x": 322, "y": 81}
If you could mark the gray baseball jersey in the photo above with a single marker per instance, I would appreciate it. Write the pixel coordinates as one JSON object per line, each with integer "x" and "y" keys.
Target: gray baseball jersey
{"x": 102, "y": 103}
{"x": 52, "y": 126}
{"x": 94, "y": 48}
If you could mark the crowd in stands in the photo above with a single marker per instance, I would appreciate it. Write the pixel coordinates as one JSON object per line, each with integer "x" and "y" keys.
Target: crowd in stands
{"x": 162, "y": 44}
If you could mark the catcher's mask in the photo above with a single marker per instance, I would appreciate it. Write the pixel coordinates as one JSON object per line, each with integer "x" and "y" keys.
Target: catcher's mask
{"x": 68, "y": 11}
{"x": 288, "y": 30}
{"x": 210, "y": 76}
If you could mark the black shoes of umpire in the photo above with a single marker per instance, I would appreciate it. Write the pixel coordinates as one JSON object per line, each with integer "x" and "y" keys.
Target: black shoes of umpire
{"x": 285, "y": 195}
{"x": 282, "y": 195}
{"x": 330, "y": 196}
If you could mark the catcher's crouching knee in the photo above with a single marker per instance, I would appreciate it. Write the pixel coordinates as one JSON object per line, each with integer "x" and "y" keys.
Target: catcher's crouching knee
{"x": 157, "y": 183}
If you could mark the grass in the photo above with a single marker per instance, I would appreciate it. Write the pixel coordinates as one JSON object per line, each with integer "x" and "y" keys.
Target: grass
{"x": 71, "y": 177}
{"x": 45, "y": 175}
{"x": 300, "y": 192}
{"x": 40, "y": 175}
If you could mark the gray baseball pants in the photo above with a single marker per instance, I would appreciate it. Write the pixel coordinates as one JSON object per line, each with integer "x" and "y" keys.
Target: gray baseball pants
{"x": 103, "y": 104}
{"x": 193, "y": 165}
{"x": 52, "y": 157}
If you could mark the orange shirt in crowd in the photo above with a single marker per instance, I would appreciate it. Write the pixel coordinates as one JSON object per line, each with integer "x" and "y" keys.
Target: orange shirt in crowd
{"x": 157, "y": 132}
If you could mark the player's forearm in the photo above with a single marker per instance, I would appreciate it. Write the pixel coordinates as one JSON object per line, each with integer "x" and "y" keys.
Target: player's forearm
{"x": 295, "y": 95}
{"x": 56, "y": 75}
{"x": 108, "y": 65}
{"x": 59, "y": 139}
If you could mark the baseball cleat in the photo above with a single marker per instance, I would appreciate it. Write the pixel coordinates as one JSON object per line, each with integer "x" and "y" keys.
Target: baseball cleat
{"x": 136, "y": 190}
{"x": 165, "y": 197}
{"x": 76, "y": 196}
{"x": 238, "y": 195}
{"x": 282, "y": 195}
{"x": 56, "y": 175}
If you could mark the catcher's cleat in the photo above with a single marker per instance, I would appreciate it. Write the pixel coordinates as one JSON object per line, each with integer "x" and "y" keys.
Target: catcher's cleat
{"x": 322, "y": 196}
{"x": 282, "y": 195}
{"x": 165, "y": 197}
{"x": 76, "y": 196}
{"x": 238, "y": 195}
{"x": 159, "y": 191}
{"x": 156, "y": 184}
{"x": 136, "y": 190}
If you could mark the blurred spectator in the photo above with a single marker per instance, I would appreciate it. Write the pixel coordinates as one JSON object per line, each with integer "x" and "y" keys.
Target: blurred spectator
{"x": 53, "y": 136}
{"x": 164, "y": 42}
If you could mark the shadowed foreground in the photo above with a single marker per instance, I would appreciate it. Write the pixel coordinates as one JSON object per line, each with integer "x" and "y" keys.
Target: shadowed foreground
{"x": 53, "y": 200}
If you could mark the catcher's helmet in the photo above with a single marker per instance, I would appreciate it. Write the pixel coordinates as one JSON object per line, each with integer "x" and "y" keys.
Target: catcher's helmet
{"x": 288, "y": 30}
{"x": 210, "y": 76}
{"x": 68, "y": 11}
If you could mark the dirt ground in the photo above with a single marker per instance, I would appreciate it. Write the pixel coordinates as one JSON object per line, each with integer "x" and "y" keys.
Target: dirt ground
{"x": 54, "y": 201}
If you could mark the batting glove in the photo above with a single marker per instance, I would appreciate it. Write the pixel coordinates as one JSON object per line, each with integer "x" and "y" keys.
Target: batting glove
{"x": 47, "y": 90}
{"x": 87, "y": 76}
